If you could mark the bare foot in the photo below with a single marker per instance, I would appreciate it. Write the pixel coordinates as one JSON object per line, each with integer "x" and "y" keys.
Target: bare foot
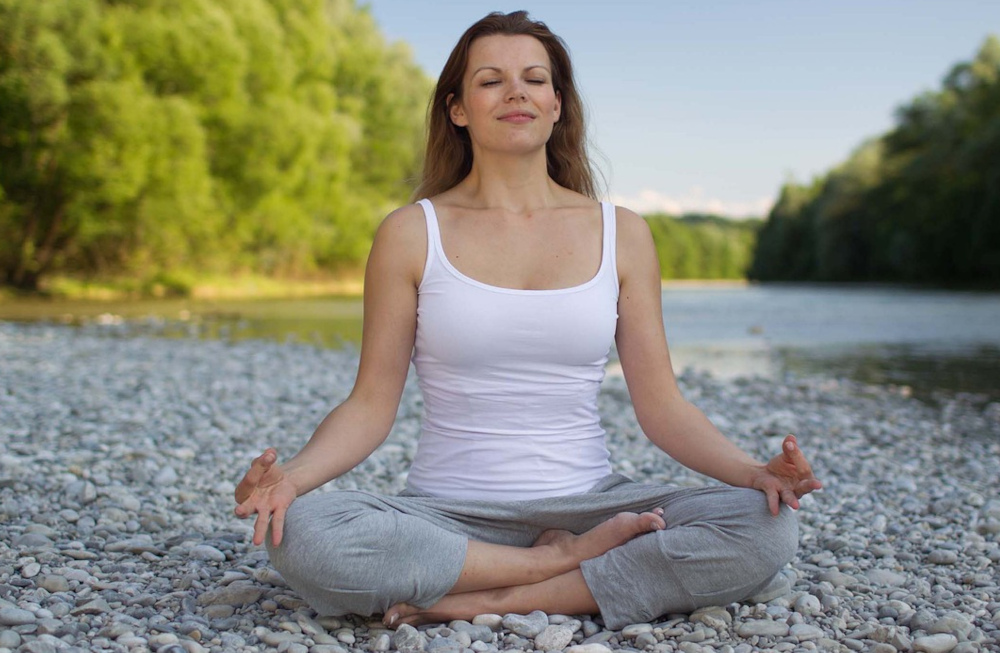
{"x": 442, "y": 612}
{"x": 605, "y": 536}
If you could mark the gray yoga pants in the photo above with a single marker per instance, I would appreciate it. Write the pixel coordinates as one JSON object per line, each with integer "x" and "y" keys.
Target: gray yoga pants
{"x": 356, "y": 552}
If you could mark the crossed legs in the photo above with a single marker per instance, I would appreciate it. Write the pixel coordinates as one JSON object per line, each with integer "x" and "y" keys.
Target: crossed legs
{"x": 418, "y": 559}
{"x": 546, "y": 576}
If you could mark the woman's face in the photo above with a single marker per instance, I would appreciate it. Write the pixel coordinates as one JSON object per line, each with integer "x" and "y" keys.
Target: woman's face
{"x": 508, "y": 101}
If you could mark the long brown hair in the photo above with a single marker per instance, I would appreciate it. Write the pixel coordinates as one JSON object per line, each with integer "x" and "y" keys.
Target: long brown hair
{"x": 448, "y": 157}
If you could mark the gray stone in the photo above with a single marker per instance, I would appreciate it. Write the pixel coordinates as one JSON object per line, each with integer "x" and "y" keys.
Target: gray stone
{"x": 32, "y": 541}
{"x": 269, "y": 576}
{"x": 15, "y": 617}
{"x": 408, "y": 639}
{"x": 236, "y": 594}
{"x": 940, "y": 643}
{"x": 53, "y": 583}
{"x": 599, "y": 637}
{"x": 492, "y": 621}
{"x": 762, "y": 627}
{"x": 808, "y": 604}
{"x": 382, "y": 643}
{"x": 806, "y": 632}
{"x": 645, "y": 640}
{"x": 30, "y": 570}
{"x": 942, "y": 557}
{"x": 952, "y": 623}
{"x": 634, "y": 630}
{"x": 97, "y": 606}
{"x": 476, "y": 632}
{"x": 839, "y": 579}
{"x": 554, "y": 638}
{"x": 885, "y": 578}
{"x": 714, "y": 617}
{"x": 38, "y": 646}
{"x": 588, "y": 648}
{"x": 166, "y": 476}
{"x": 206, "y": 552}
{"x": 9, "y": 639}
{"x": 527, "y": 626}
{"x": 444, "y": 645}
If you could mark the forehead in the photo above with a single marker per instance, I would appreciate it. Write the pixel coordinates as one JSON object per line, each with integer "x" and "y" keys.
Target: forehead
{"x": 506, "y": 52}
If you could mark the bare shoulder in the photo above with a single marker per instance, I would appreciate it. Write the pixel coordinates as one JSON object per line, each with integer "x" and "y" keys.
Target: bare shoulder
{"x": 635, "y": 240}
{"x": 632, "y": 227}
{"x": 401, "y": 239}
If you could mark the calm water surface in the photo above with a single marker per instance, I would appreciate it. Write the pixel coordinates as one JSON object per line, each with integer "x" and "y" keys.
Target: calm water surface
{"x": 926, "y": 339}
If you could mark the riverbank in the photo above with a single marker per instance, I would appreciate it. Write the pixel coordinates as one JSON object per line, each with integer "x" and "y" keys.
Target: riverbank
{"x": 120, "y": 454}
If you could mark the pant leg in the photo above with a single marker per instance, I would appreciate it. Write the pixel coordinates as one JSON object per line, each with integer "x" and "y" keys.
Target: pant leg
{"x": 357, "y": 552}
{"x": 354, "y": 552}
{"x": 721, "y": 544}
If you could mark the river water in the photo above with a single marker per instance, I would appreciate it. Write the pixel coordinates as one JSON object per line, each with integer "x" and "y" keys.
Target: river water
{"x": 928, "y": 340}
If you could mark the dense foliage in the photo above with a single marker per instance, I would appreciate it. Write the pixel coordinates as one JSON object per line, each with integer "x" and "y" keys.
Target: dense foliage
{"x": 920, "y": 203}
{"x": 150, "y": 136}
{"x": 702, "y": 246}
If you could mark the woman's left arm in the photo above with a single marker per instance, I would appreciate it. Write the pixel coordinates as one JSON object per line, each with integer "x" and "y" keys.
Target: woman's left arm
{"x": 668, "y": 420}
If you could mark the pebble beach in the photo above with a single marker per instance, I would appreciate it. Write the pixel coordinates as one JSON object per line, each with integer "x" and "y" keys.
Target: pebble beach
{"x": 119, "y": 453}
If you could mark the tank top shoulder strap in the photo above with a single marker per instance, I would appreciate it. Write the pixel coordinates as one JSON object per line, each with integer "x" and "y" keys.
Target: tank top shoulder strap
{"x": 609, "y": 248}
{"x": 433, "y": 236}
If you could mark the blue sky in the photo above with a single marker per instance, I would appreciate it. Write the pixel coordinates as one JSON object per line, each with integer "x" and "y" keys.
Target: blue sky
{"x": 712, "y": 105}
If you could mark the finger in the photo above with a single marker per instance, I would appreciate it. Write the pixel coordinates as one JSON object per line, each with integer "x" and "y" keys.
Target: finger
{"x": 277, "y": 526}
{"x": 793, "y": 455}
{"x": 788, "y": 498}
{"x": 244, "y": 510}
{"x": 773, "y": 503}
{"x": 260, "y": 527}
{"x": 806, "y": 486}
{"x": 258, "y": 468}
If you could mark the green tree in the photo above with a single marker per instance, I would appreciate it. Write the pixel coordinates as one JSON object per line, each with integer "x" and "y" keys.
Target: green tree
{"x": 209, "y": 135}
{"x": 920, "y": 203}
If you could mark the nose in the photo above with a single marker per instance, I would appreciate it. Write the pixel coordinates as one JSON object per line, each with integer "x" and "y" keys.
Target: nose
{"x": 516, "y": 92}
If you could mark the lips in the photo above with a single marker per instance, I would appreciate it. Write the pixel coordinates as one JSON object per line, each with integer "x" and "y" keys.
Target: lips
{"x": 517, "y": 117}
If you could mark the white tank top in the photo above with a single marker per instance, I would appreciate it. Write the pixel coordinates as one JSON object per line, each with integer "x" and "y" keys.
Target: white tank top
{"x": 510, "y": 380}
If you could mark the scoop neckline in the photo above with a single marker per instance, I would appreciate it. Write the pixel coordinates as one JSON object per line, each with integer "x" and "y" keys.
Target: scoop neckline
{"x": 439, "y": 247}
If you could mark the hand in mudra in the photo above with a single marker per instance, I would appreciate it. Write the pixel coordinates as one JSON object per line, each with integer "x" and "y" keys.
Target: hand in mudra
{"x": 265, "y": 490}
{"x": 786, "y": 477}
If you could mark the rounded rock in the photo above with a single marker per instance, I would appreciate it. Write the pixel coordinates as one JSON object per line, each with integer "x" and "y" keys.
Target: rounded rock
{"x": 207, "y": 552}
{"x": 492, "y": 621}
{"x": 16, "y": 617}
{"x": 554, "y": 638}
{"x": 940, "y": 643}
{"x": 409, "y": 640}
{"x": 634, "y": 630}
{"x": 808, "y": 604}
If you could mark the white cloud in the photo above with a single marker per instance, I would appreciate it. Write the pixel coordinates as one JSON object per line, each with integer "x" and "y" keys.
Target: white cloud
{"x": 694, "y": 201}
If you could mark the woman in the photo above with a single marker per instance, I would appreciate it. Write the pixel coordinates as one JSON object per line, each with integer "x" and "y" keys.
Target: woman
{"x": 508, "y": 286}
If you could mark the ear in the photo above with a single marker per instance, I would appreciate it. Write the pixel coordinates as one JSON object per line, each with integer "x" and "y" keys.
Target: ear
{"x": 455, "y": 111}
{"x": 558, "y": 107}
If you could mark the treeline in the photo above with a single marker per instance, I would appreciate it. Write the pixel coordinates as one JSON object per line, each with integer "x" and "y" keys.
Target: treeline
{"x": 918, "y": 204}
{"x": 698, "y": 246}
{"x": 155, "y": 137}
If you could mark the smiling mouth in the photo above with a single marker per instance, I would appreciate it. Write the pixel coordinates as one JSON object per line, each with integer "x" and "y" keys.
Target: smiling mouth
{"x": 517, "y": 117}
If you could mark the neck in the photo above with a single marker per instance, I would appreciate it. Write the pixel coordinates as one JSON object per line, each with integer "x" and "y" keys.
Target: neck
{"x": 513, "y": 182}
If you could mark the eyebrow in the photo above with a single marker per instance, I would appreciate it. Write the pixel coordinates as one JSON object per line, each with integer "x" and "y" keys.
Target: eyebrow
{"x": 499, "y": 70}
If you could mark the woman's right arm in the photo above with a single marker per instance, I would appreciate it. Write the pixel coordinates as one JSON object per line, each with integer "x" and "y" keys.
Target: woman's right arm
{"x": 355, "y": 428}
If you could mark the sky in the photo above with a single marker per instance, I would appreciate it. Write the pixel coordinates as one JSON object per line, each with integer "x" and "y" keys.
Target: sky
{"x": 711, "y": 105}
